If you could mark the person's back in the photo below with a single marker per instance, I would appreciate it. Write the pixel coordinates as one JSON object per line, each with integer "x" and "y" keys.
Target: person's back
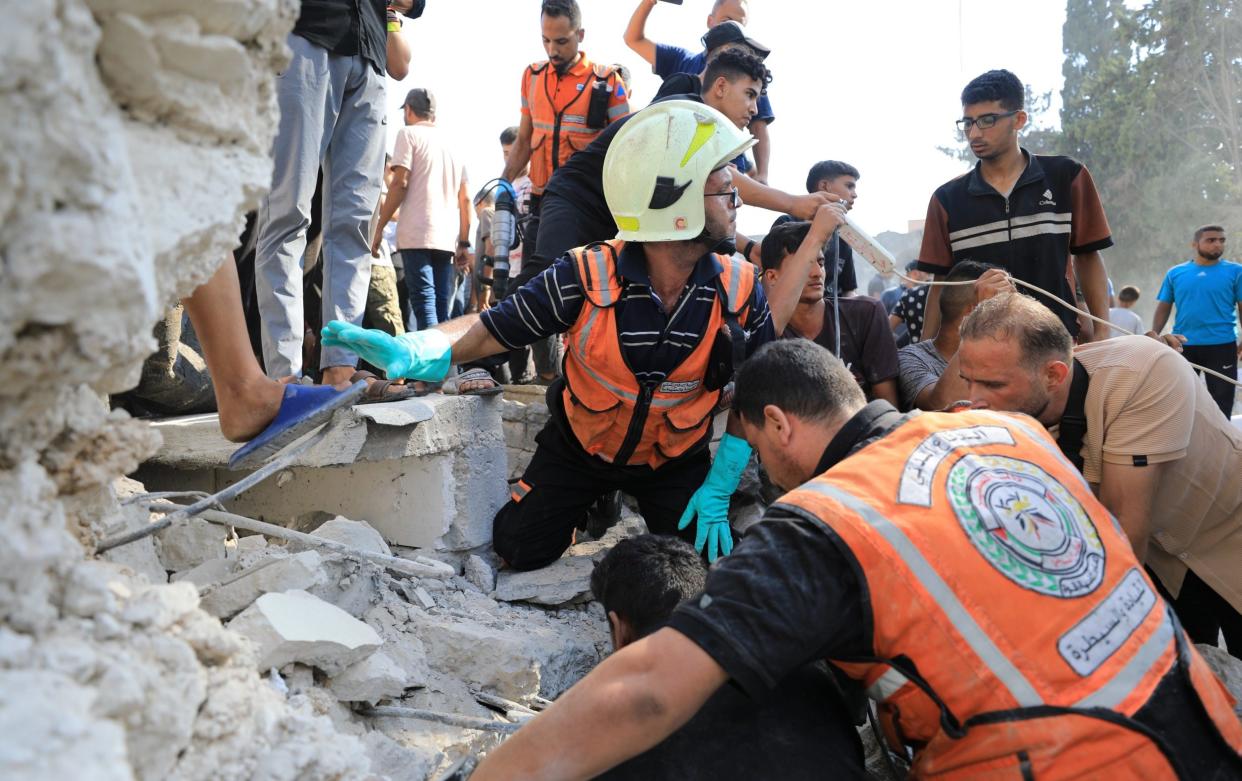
{"x": 1126, "y": 318}
{"x": 429, "y": 216}
{"x": 801, "y": 730}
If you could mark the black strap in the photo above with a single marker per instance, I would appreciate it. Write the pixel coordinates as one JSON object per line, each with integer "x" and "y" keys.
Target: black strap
{"x": 732, "y": 320}
{"x": 1073, "y": 427}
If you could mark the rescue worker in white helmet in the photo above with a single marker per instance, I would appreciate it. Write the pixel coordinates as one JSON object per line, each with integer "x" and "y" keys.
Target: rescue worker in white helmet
{"x": 655, "y": 322}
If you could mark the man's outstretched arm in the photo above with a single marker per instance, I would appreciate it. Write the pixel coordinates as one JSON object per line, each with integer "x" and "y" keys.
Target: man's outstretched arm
{"x": 636, "y": 32}
{"x": 636, "y": 698}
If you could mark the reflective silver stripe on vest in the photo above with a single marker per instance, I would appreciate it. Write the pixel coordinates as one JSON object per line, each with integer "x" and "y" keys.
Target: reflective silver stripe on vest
{"x": 603, "y": 277}
{"x": 886, "y": 685}
{"x": 1019, "y": 687}
{"x": 1128, "y": 678}
{"x": 735, "y": 286}
{"x": 581, "y": 351}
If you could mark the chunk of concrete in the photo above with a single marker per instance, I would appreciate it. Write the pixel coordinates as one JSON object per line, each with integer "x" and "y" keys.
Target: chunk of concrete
{"x": 294, "y": 626}
{"x": 300, "y": 571}
{"x": 373, "y": 679}
{"x": 1228, "y": 669}
{"x": 208, "y": 573}
{"x": 189, "y": 542}
{"x": 356, "y": 534}
{"x": 565, "y": 581}
{"x": 433, "y": 483}
{"x": 479, "y": 573}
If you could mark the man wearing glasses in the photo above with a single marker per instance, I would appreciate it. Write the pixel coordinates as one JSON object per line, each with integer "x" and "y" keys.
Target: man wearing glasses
{"x": 1025, "y": 213}
{"x": 655, "y": 320}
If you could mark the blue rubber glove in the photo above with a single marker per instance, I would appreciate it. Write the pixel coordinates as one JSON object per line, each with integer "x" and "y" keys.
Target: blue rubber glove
{"x": 416, "y": 355}
{"x": 711, "y": 502}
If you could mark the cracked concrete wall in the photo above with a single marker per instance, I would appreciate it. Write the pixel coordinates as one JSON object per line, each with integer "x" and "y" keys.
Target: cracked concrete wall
{"x": 136, "y": 136}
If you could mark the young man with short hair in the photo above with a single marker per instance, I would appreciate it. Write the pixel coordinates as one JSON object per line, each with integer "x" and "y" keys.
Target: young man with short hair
{"x": 802, "y": 727}
{"x": 955, "y": 564}
{"x": 567, "y": 100}
{"x": 1146, "y": 435}
{"x": 1123, "y": 315}
{"x": 667, "y": 61}
{"x": 1036, "y": 216}
{"x": 928, "y": 379}
{"x": 867, "y": 346}
{"x": 574, "y": 211}
{"x": 1207, "y": 292}
{"x": 840, "y": 179}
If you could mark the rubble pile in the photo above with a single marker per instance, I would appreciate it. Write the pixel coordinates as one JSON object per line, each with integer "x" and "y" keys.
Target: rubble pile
{"x": 330, "y": 634}
{"x": 139, "y": 137}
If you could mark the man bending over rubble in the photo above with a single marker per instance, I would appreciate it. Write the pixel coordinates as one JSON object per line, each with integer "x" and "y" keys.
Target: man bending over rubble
{"x": 655, "y": 321}
{"x": 956, "y": 564}
{"x": 801, "y": 730}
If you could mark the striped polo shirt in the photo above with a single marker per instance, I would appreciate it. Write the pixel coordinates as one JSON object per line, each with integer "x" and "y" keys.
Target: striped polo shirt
{"x": 653, "y": 342}
{"x": 1053, "y": 212}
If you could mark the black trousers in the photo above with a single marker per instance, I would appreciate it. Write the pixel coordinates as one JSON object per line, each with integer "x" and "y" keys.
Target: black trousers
{"x": 562, "y": 482}
{"x": 1218, "y": 357}
{"x": 1204, "y": 614}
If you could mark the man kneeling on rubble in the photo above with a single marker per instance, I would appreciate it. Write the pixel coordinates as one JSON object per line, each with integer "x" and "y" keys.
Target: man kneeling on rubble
{"x": 655, "y": 323}
{"x": 800, "y": 730}
{"x": 956, "y": 564}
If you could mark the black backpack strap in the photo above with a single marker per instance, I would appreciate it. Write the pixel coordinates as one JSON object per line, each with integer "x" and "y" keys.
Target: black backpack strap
{"x": 1073, "y": 426}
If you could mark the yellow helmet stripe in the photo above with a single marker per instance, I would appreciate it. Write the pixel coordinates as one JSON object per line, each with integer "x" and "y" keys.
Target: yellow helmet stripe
{"x": 702, "y": 134}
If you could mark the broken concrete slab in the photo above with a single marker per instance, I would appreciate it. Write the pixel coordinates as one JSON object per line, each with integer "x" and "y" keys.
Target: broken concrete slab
{"x": 356, "y": 534}
{"x": 392, "y": 760}
{"x": 206, "y": 574}
{"x": 512, "y": 650}
{"x": 295, "y": 626}
{"x": 478, "y": 572}
{"x": 300, "y": 571}
{"x": 189, "y": 542}
{"x": 375, "y": 678}
{"x": 565, "y": 581}
{"x": 1228, "y": 669}
{"x": 431, "y": 484}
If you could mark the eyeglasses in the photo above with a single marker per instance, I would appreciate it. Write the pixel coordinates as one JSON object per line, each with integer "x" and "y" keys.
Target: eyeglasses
{"x": 735, "y": 199}
{"x": 983, "y": 121}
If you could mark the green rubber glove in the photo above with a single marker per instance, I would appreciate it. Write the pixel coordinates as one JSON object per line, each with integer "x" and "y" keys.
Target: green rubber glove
{"x": 711, "y": 502}
{"x": 416, "y": 355}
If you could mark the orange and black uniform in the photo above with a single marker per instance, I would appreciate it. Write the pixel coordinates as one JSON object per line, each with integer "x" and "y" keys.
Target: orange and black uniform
{"x": 634, "y": 408}
{"x": 959, "y": 568}
{"x": 567, "y": 111}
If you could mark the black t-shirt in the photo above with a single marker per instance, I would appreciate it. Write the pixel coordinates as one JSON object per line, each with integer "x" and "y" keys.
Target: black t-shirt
{"x": 867, "y": 346}
{"x": 792, "y": 592}
{"x": 350, "y": 27}
{"x": 800, "y": 730}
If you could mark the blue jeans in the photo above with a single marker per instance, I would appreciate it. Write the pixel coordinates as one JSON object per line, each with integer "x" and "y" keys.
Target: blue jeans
{"x": 429, "y": 280}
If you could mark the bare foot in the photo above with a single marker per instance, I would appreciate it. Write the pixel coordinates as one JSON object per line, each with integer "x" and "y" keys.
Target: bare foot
{"x": 247, "y": 408}
{"x": 337, "y": 375}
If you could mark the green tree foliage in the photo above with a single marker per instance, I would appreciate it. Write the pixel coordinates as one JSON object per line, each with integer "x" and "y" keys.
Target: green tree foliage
{"x": 1152, "y": 103}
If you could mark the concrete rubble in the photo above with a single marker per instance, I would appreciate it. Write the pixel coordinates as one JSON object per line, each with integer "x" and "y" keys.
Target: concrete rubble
{"x": 119, "y": 666}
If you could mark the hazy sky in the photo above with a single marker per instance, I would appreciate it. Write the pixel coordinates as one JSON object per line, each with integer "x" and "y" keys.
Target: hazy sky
{"x": 873, "y": 83}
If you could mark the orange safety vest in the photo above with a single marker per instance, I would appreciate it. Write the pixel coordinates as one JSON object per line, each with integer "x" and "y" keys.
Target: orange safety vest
{"x": 557, "y": 132}
{"x": 613, "y": 415}
{"x": 1014, "y": 631}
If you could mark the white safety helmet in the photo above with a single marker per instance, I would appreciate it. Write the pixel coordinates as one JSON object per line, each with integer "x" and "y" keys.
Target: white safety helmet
{"x": 657, "y": 166}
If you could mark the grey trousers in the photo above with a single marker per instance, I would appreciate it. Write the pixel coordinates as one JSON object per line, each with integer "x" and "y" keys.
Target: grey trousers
{"x": 331, "y": 114}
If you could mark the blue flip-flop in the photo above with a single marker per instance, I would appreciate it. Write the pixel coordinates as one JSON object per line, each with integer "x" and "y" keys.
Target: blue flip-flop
{"x": 303, "y": 409}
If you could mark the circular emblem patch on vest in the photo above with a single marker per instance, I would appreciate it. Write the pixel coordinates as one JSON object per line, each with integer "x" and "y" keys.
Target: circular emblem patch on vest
{"x": 1027, "y": 525}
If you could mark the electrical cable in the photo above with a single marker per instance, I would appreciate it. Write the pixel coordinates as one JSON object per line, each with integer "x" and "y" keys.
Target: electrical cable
{"x": 1067, "y": 305}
